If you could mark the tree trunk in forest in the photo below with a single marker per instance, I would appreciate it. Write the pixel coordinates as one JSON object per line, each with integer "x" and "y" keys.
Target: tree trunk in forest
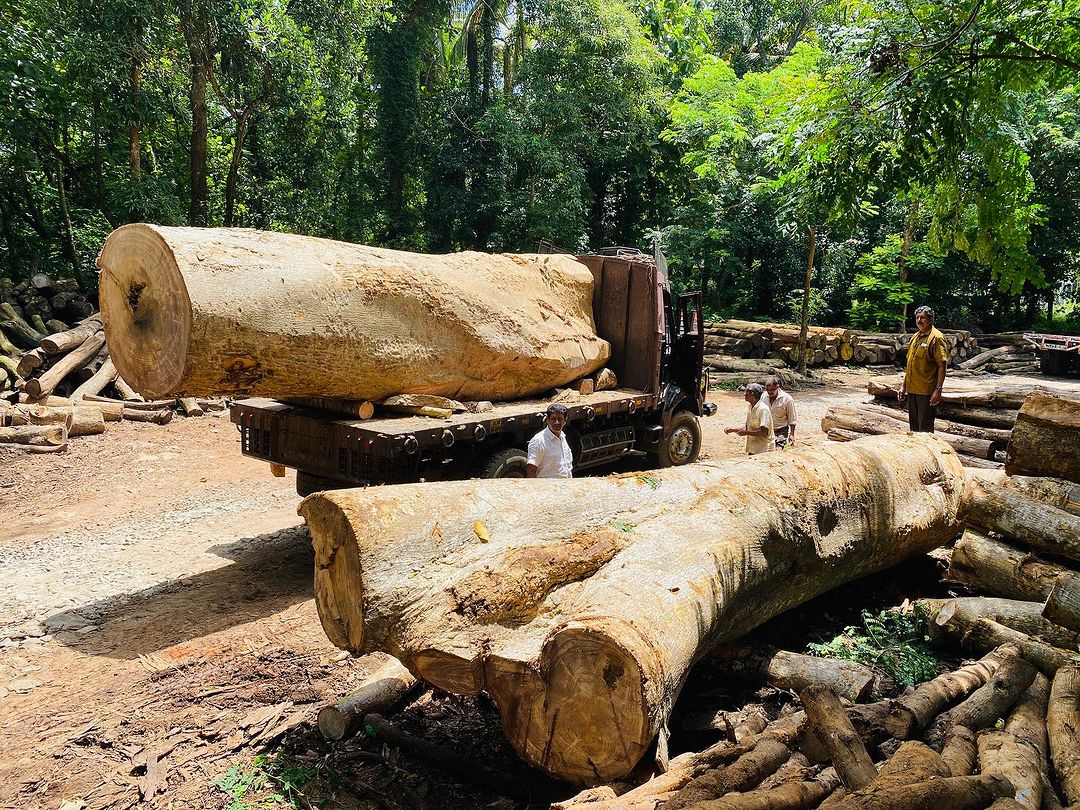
{"x": 210, "y": 312}
{"x": 1063, "y": 729}
{"x": 579, "y": 606}
{"x": 1046, "y": 438}
{"x": 65, "y": 218}
{"x": 134, "y": 125}
{"x": 199, "y": 208}
{"x": 804, "y": 321}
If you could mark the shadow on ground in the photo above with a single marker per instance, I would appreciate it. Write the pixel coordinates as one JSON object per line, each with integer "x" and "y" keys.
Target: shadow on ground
{"x": 269, "y": 572}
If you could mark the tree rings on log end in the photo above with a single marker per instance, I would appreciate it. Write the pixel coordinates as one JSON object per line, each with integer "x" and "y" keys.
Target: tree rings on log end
{"x": 337, "y": 573}
{"x": 147, "y": 311}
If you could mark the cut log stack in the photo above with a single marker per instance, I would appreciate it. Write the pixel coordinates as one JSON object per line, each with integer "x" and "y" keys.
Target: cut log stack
{"x": 68, "y": 381}
{"x": 1007, "y": 359}
{"x": 41, "y": 299}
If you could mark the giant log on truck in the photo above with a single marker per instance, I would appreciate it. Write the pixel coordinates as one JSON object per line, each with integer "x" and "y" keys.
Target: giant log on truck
{"x": 280, "y": 317}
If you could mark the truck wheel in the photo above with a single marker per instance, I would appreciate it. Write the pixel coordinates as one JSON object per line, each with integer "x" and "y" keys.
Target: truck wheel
{"x": 681, "y": 443}
{"x": 506, "y": 463}
{"x": 306, "y": 483}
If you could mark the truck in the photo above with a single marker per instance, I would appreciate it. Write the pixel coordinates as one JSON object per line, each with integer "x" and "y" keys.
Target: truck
{"x": 657, "y": 349}
{"x": 1059, "y": 355}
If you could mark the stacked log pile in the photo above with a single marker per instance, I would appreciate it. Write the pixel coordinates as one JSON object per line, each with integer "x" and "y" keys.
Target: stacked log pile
{"x": 1006, "y": 359}
{"x": 64, "y": 385}
{"x": 41, "y": 299}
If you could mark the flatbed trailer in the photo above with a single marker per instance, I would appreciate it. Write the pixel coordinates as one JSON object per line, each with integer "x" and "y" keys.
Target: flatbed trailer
{"x": 657, "y": 351}
{"x": 1059, "y": 355}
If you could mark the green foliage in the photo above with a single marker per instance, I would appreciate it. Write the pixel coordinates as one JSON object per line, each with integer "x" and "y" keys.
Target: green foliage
{"x": 880, "y": 296}
{"x": 892, "y": 640}
{"x": 269, "y": 783}
{"x": 817, "y": 305}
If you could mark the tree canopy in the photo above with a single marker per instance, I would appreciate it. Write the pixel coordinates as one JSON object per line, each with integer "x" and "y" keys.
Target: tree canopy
{"x": 923, "y": 150}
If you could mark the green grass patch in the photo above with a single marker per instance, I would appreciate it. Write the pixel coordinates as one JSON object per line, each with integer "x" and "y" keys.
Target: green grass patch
{"x": 892, "y": 640}
{"x": 272, "y": 783}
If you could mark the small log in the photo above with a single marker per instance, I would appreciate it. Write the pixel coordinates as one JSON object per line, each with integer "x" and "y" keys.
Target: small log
{"x": 959, "y": 751}
{"x": 422, "y": 401}
{"x": 1018, "y": 752}
{"x": 868, "y": 720}
{"x": 87, "y": 421}
{"x": 44, "y": 385}
{"x": 96, "y": 384}
{"x": 1019, "y": 516}
{"x": 31, "y": 360}
{"x": 606, "y": 380}
{"x": 161, "y": 417}
{"x": 1000, "y": 569}
{"x": 1025, "y": 617}
{"x": 796, "y": 795}
{"x": 9, "y": 366}
{"x": 985, "y": 634}
{"x": 360, "y": 408}
{"x": 215, "y": 405}
{"x": 39, "y": 448}
{"x": 126, "y": 392}
{"x": 383, "y": 689}
{"x": 52, "y": 326}
{"x": 794, "y": 672}
{"x": 39, "y": 415}
{"x": 1054, "y": 491}
{"x": 989, "y": 702}
{"x": 912, "y": 713}
{"x": 835, "y": 731}
{"x": 912, "y": 763}
{"x": 949, "y": 793}
{"x": 156, "y": 405}
{"x": 1063, "y": 728}
{"x": 433, "y": 413}
{"x": 1046, "y": 439}
{"x": 40, "y": 325}
{"x": 54, "y": 435}
{"x": 64, "y": 342}
{"x": 1063, "y": 604}
{"x": 980, "y": 360}
{"x": 190, "y": 406}
{"x": 7, "y": 347}
{"x": 586, "y": 386}
{"x": 21, "y": 333}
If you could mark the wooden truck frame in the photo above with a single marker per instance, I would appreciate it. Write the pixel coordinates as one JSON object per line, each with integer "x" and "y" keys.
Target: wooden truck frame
{"x": 657, "y": 348}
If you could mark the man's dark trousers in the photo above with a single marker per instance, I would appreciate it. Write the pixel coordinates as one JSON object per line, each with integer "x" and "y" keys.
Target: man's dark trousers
{"x": 920, "y": 413}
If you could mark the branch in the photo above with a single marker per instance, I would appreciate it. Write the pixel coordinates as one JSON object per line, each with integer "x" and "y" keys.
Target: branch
{"x": 1040, "y": 54}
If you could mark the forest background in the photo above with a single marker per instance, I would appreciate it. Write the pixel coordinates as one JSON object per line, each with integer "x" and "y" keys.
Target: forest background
{"x": 899, "y": 151}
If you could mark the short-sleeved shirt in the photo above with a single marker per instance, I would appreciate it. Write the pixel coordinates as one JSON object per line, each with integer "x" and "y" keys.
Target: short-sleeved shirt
{"x": 757, "y": 417}
{"x": 925, "y": 354}
{"x": 551, "y": 455}
{"x": 782, "y": 410}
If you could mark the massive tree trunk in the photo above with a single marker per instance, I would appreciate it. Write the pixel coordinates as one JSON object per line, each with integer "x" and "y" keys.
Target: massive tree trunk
{"x": 1046, "y": 439}
{"x": 579, "y": 606}
{"x": 196, "y": 312}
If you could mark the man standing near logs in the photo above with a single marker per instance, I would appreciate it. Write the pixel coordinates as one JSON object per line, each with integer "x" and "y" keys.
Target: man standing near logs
{"x": 759, "y": 423}
{"x": 924, "y": 375}
{"x": 549, "y": 453}
{"x": 782, "y": 408}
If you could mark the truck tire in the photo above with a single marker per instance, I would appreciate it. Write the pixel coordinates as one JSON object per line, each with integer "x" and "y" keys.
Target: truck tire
{"x": 306, "y": 483}
{"x": 681, "y": 442}
{"x": 508, "y": 462}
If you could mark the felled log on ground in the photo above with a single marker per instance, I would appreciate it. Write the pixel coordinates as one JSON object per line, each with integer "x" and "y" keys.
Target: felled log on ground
{"x": 1018, "y": 751}
{"x": 103, "y": 377}
{"x": 986, "y": 634}
{"x": 960, "y": 751}
{"x": 1023, "y": 518}
{"x": 1062, "y": 606}
{"x": 381, "y": 690}
{"x": 1046, "y": 439}
{"x": 1057, "y": 492}
{"x": 1024, "y": 616}
{"x": 913, "y": 763}
{"x": 998, "y": 436}
{"x": 47, "y": 382}
{"x": 793, "y": 795}
{"x": 586, "y": 603}
{"x": 912, "y": 713}
{"x": 847, "y": 752}
{"x": 1063, "y": 729}
{"x": 1000, "y": 569}
{"x": 304, "y": 317}
{"x": 949, "y": 793}
{"x": 51, "y": 435}
{"x": 793, "y": 671}
{"x": 63, "y": 342}
{"x": 79, "y": 421}
{"x": 872, "y": 423}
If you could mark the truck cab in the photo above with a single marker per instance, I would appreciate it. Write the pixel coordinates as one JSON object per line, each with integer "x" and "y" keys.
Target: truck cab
{"x": 657, "y": 348}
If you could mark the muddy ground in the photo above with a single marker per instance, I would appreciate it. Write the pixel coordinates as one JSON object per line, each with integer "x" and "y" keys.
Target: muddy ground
{"x": 159, "y": 640}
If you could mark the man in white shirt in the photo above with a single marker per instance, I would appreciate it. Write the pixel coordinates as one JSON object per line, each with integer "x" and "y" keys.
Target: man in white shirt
{"x": 782, "y": 407}
{"x": 759, "y": 428}
{"x": 549, "y": 454}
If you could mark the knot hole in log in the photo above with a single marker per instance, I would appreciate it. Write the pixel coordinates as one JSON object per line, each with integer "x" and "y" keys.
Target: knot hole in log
{"x": 134, "y": 294}
{"x": 827, "y": 519}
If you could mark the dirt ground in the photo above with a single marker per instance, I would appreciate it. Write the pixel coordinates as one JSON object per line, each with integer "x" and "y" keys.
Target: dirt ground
{"x": 159, "y": 640}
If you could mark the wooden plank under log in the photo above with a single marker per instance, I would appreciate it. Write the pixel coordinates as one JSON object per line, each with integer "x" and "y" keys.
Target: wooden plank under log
{"x": 303, "y": 317}
{"x": 538, "y": 591}
{"x": 1046, "y": 439}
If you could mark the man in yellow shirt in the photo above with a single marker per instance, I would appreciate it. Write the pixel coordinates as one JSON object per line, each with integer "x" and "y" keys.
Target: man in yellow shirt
{"x": 924, "y": 376}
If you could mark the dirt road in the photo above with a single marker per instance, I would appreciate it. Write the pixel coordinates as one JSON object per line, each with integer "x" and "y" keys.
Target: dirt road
{"x": 158, "y": 632}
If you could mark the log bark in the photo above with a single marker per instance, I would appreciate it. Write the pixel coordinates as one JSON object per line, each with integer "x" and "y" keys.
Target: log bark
{"x": 1000, "y": 569}
{"x": 386, "y": 687}
{"x": 1063, "y": 728}
{"x": 302, "y": 317}
{"x": 799, "y": 795}
{"x": 846, "y": 749}
{"x": 50, "y": 435}
{"x": 190, "y": 406}
{"x": 45, "y": 384}
{"x": 912, "y": 713}
{"x": 994, "y": 435}
{"x": 1063, "y": 604}
{"x": 913, "y": 762}
{"x": 959, "y": 751}
{"x": 794, "y": 672}
{"x": 989, "y": 702}
{"x": 950, "y": 793}
{"x": 589, "y": 600}
{"x": 361, "y": 409}
{"x": 982, "y": 359}
{"x": 30, "y": 361}
{"x": 158, "y": 417}
{"x": 1046, "y": 439}
{"x": 1018, "y": 752}
{"x": 1023, "y": 616}
{"x": 1024, "y": 519}
{"x": 872, "y": 423}
{"x": 64, "y": 342}
{"x": 95, "y": 385}
{"x": 868, "y": 720}
{"x": 126, "y": 392}
{"x": 985, "y": 634}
